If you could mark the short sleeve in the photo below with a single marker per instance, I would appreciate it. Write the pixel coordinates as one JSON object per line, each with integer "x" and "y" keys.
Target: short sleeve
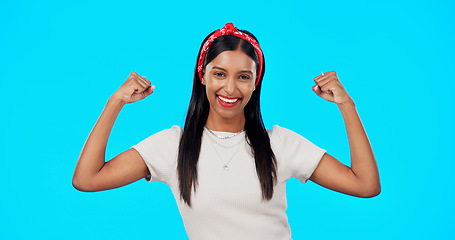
{"x": 300, "y": 155}
{"x": 159, "y": 152}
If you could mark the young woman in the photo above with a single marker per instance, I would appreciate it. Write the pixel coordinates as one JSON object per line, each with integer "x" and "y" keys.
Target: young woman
{"x": 228, "y": 172}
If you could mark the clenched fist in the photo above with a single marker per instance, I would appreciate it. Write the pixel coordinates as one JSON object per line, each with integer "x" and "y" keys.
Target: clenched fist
{"x": 135, "y": 88}
{"x": 329, "y": 87}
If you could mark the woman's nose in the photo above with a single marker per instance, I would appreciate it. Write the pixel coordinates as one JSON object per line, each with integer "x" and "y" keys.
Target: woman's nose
{"x": 230, "y": 86}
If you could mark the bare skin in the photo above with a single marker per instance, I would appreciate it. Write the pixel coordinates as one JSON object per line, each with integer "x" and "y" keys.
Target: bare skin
{"x": 231, "y": 74}
{"x": 362, "y": 178}
{"x": 92, "y": 173}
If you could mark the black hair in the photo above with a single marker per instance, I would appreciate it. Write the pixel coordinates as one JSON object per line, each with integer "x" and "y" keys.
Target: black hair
{"x": 196, "y": 118}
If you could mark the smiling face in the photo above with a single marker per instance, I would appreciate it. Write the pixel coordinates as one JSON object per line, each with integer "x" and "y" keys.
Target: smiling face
{"x": 230, "y": 82}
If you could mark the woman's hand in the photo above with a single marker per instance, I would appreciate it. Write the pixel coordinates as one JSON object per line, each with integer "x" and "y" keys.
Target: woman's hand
{"x": 329, "y": 87}
{"x": 135, "y": 88}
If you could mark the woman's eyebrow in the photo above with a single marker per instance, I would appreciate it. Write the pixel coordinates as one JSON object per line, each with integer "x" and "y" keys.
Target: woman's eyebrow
{"x": 219, "y": 68}
{"x": 243, "y": 71}
{"x": 246, "y": 71}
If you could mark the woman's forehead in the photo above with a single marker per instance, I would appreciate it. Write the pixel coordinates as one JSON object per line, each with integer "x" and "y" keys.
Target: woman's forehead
{"x": 233, "y": 60}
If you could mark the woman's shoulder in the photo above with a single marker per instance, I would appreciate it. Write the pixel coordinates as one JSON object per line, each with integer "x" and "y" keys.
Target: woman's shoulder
{"x": 175, "y": 130}
{"x": 171, "y": 134}
{"x": 167, "y": 135}
{"x": 278, "y": 130}
{"x": 285, "y": 135}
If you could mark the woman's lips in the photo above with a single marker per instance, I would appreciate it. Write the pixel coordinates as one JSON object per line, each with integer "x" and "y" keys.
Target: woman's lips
{"x": 227, "y": 101}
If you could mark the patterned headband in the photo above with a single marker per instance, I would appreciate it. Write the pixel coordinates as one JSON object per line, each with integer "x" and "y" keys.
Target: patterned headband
{"x": 229, "y": 29}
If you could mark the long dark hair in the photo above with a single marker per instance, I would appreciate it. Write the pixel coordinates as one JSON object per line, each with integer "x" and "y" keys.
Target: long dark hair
{"x": 196, "y": 118}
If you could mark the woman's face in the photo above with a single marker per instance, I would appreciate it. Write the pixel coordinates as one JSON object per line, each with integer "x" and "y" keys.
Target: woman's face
{"x": 230, "y": 82}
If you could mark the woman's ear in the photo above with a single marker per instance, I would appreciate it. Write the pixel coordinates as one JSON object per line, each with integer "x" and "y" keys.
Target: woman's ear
{"x": 202, "y": 79}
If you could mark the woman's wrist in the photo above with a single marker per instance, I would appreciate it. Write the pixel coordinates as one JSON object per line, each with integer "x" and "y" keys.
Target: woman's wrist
{"x": 113, "y": 100}
{"x": 115, "y": 104}
{"x": 348, "y": 103}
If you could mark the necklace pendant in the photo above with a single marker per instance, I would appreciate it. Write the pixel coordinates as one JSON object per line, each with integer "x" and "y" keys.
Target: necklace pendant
{"x": 226, "y": 168}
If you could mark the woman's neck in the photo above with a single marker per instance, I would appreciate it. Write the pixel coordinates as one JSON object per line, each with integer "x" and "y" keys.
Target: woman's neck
{"x": 216, "y": 123}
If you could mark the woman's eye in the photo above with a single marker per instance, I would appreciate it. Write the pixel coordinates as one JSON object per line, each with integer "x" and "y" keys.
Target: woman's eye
{"x": 245, "y": 77}
{"x": 219, "y": 74}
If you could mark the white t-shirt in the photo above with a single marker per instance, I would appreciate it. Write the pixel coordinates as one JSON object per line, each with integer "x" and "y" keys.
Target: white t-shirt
{"x": 228, "y": 201}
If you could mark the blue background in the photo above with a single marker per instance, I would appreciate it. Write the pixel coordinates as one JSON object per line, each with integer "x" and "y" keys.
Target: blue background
{"x": 60, "y": 61}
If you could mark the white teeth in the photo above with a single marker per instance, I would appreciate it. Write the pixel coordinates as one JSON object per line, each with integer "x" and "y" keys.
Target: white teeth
{"x": 228, "y": 100}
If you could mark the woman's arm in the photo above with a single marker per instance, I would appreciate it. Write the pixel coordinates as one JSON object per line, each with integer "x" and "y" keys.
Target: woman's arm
{"x": 362, "y": 178}
{"x": 92, "y": 173}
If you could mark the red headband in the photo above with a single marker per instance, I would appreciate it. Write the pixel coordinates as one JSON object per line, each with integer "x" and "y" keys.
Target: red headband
{"x": 229, "y": 29}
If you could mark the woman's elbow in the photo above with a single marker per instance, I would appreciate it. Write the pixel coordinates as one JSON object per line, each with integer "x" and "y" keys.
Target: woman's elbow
{"x": 371, "y": 192}
{"x": 81, "y": 185}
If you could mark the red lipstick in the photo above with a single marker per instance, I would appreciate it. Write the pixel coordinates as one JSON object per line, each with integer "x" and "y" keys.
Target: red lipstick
{"x": 227, "y": 104}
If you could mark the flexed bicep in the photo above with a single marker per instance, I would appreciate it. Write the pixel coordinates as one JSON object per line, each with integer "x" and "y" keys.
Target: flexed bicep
{"x": 123, "y": 169}
{"x": 332, "y": 174}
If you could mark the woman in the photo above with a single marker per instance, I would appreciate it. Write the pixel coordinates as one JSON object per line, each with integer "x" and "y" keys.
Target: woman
{"x": 227, "y": 172}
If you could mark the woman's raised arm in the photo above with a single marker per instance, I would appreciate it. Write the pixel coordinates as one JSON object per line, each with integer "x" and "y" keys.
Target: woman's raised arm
{"x": 362, "y": 178}
{"x": 92, "y": 173}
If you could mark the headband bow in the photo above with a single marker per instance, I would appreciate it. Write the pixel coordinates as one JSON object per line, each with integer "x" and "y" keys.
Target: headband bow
{"x": 229, "y": 29}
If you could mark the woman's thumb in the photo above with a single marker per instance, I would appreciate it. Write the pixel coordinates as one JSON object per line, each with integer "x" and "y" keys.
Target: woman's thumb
{"x": 149, "y": 90}
{"x": 317, "y": 90}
